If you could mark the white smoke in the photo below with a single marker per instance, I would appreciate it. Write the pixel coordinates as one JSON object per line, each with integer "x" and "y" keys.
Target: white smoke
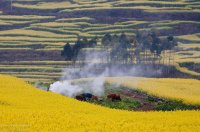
{"x": 94, "y": 68}
{"x": 95, "y": 86}
{"x": 65, "y": 88}
{"x": 98, "y": 86}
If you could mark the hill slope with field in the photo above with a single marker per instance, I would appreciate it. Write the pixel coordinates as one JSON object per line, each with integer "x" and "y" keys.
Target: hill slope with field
{"x": 186, "y": 90}
{"x": 24, "y": 108}
{"x": 33, "y": 32}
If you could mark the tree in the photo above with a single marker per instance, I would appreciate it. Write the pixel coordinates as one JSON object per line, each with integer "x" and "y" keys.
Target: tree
{"x": 124, "y": 42}
{"x": 170, "y": 45}
{"x": 139, "y": 45}
{"x": 76, "y": 48}
{"x": 114, "y": 40}
{"x": 171, "y": 42}
{"x": 106, "y": 40}
{"x": 137, "y": 55}
{"x": 85, "y": 42}
{"x": 67, "y": 52}
{"x": 155, "y": 47}
{"x": 92, "y": 42}
{"x": 120, "y": 47}
{"x": 79, "y": 43}
{"x": 138, "y": 36}
{"x": 146, "y": 44}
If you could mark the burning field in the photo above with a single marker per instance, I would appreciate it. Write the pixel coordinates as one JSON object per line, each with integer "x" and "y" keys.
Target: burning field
{"x": 24, "y": 108}
{"x": 92, "y": 96}
{"x": 132, "y": 93}
{"x": 116, "y": 86}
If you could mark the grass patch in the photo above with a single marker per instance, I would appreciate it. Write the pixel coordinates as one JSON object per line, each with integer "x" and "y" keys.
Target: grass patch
{"x": 176, "y": 105}
{"x": 185, "y": 89}
{"x": 126, "y": 104}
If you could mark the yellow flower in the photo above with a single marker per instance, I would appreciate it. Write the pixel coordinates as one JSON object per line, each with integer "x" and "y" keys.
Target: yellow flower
{"x": 25, "y": 108}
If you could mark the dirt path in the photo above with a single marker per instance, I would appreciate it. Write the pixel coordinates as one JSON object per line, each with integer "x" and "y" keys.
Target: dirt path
{"x": 142, "y": 98}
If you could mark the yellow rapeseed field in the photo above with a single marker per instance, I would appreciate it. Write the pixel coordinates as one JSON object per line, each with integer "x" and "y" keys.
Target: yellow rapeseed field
{"x": 33, "y": 33}
{"x": 47, "y": 5}
{"x": 190, "y": 37}
{"x": 187, "y": 90}
{"x": 25, "y": 108}
{"x": 24, "y": 17}
{"x": 186, "y": 70}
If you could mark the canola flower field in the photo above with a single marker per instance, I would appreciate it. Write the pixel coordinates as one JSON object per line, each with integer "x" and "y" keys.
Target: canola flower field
{"x": 186, "y": 90}
{"x": 25, "y": 108}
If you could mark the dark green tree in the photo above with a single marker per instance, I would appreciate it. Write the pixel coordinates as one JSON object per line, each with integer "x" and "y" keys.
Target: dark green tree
{"x": 76, "y": 48}
{"x": 171, "y": 43}
{"x": 67, "y": 52}
{"x": 85, "y": 42}
{"x": 138, "y": 36}
{"x": 106, "y": 40}
{"x": 114, "y": 40}
{"x": 120, "y": 47}
{"x": 156, "y": 45}
{"x": 92, "y": 42}
{"x": 124, "y": 42}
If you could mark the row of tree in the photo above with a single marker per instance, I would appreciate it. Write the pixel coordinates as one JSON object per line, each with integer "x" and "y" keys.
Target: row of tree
{"x": 143, "y": 47}
{"x": 70, "y": 52}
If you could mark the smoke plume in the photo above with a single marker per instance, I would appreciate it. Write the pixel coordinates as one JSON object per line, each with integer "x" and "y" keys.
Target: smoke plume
{"x": 82, "y": 70}
{"x": 91, "y": 65}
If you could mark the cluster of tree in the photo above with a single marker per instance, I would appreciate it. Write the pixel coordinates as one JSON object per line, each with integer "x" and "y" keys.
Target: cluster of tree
{"x": 143, "y": 47}
{"x": 150, "y": 41}
{"x": 70, "y": 52}
{"x": 143, "y": 42}
{"x": 119, "y": 46}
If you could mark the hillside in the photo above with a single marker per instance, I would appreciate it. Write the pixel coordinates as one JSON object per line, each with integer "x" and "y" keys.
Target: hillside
{"x": 24, "y": 108}
{"x": 186, "y": 90}
{"x": 33, "y": 32}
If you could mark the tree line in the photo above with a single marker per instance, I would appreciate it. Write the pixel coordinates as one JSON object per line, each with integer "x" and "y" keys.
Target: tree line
{"x": 70, "y": 52}
{"x": 143, "y": 47}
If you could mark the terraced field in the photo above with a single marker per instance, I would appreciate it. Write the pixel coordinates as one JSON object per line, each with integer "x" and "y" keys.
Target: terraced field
{"x": 36, "y": 30}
